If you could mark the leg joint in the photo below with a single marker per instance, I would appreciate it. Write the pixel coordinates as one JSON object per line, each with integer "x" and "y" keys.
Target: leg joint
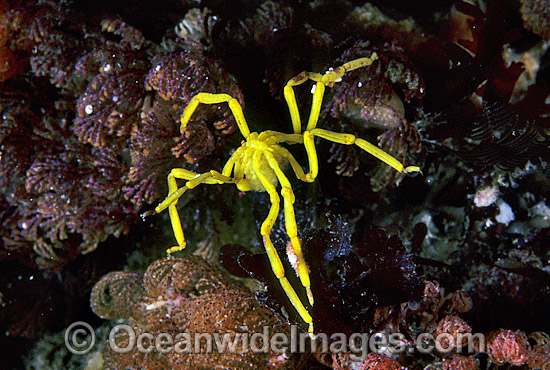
{"x": 274, "y": 197}
{"x": 288, "y": 194}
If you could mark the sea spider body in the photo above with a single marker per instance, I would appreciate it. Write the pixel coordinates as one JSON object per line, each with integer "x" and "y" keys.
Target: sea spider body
{"x": 256, "y": 143}
{"x": 257, "y": 165}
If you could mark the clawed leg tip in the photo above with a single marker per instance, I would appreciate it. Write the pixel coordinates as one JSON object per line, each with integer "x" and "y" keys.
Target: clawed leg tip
{"x": 147, "y": 214}
{"x": 413, "y": 169}
{"x": 175, "y": 249}
{"x": 310, "y": 331}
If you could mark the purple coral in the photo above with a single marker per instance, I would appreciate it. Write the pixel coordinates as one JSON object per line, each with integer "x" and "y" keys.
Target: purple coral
{"x": 157, "y": 145}
{"x": 66, "y": 193}
{"x": 177, "y": 76}
{"x": 109, "y": 108}
{"x": 76, "y": 180}
{"x": 72, "y": 189}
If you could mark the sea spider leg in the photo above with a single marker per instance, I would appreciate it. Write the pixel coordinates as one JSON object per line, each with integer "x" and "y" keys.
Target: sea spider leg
{"x": 212, "y": 177}
{"x": 349, "y": 139}
{"x": 290, "y": 224}
{"x": 207, "y": 98}
{"x": 298, "y": 170}
{"x": 328, "y": 79}
{"x": 291, "y": 98}
{"x": 274, "y": 259}
{"x": 174, "y": 193}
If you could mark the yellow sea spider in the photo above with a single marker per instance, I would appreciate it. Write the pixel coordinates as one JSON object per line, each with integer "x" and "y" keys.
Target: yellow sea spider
{"x": 257, "y": 165}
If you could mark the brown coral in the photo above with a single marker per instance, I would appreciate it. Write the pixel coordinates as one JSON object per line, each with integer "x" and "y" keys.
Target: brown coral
{"x": 66, "y": 194}
{"x": 115, "y": 294}
{"x": 109, "y": 108}
{"x": 369, "y": 98}
{"x": 540, "y": 354}
{"x": 70, "y": 178}
{"x": 536, "y": 16}
{"x": 184, "y": 295}
{"x": 14, "y": 45}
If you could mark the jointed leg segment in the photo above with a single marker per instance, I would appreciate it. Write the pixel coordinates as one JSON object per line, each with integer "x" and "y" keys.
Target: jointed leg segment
{"x": 349, "y": 139}
{"x": 207, "y": 98}
{"x": 265, "y": 231}
{"x": 290, "y": 224}
{"x": 174, "y": 193}
{"x": 328, "y": 79}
